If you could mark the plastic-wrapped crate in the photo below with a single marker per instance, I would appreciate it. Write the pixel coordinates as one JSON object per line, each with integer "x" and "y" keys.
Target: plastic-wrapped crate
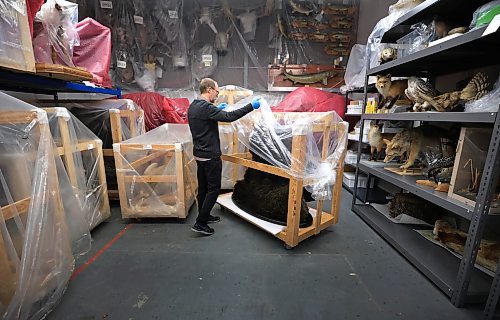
{"x": 37, "y": 233}
{"x": 307, "y": 149}
{"x": 81, "y": 151}
{"x": 156, "y": 173}
{"x": 16, "y": 49}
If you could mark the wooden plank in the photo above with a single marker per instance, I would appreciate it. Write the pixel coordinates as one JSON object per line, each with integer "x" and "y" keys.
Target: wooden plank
{"x": 116, "y": 125}
{"x": 408, "y": 172}
{"x": 181, "y": 190}
{"x": 21, "y": 24}
{"x": 16, "y": 208}
{"x": 150, "y": 157}
{"x": 18, "y": 117}
{"x": 134, "y": 147}
{"x": 108, "y": 152}
{"x": 326, "y": 221}
{"x": 61, "y": 72}
{"x": 147, "y": 179}
{"x": 337, "y": 188}
{"x": 133, "y": 125}
{"x": 235, "y": 150}
{"x": 257, "y": 166}
{"x": 101, "y": 173}
{"x": 69, "y": 150}
{"x": 120, "y": 179}
{"x": 324, "y": 155}
{"x": 295, "y": 190}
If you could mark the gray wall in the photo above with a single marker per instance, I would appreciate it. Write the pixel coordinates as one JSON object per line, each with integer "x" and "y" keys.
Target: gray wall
{"x": 370, "y": 12}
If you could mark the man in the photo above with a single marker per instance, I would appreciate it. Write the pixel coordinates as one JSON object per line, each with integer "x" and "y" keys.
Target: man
{"x": 203, "y": 119}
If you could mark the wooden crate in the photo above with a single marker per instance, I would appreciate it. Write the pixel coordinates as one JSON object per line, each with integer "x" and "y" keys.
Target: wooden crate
{"x": 472, "y": 149}
{"x": 292, "y": 234}
{"x": 16, "y": 52}
{"x": 72, "y": 155}
{"x": 117, "y": 117}
{"x": 16, "y": 211}
{"x": 167, "y": 193}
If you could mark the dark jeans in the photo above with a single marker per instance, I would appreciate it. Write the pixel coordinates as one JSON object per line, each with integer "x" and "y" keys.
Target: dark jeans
{"x": 209, "y": 176}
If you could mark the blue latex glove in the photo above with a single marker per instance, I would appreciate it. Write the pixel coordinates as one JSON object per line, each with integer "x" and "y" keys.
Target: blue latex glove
{"x": 222, "y": 106}
{"x": 256, "y": 103}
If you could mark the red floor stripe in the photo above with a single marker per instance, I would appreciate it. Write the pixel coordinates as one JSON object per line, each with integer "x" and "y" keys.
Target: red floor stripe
{"x": 103, "y": 249}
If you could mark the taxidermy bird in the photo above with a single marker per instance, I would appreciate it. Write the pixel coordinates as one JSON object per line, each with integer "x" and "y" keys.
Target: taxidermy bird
{"x": 417, "y": 90}
{"x": 475, "y": 89}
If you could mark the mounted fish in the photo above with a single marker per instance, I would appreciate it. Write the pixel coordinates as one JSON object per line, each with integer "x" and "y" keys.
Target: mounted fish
{"x": 318, "y": 25}
{"x": 299, "y": 9}
{"x": 300, "y": 23}
{"x": 309, "y": 78}
{"x": 298, "y": 36}
{"x": 337, "y": 51}
{"x": 340, "y": 37}
{"x": 318, "y": 37}
{"x": 344, "y": 11}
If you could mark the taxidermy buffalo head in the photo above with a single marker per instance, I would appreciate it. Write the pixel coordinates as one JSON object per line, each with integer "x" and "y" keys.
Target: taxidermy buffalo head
{"x": 222, "y": 41}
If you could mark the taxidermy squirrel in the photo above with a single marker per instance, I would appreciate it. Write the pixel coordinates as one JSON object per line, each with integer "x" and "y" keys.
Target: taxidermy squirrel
{"x": 391, "y": 91}
{"x": 376, "y": 140}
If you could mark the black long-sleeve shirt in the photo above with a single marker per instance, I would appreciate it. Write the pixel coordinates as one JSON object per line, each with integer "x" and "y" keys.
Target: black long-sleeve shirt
{"x": 203, "y": 118}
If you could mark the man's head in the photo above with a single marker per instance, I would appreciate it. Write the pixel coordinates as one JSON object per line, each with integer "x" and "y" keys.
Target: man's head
{"x": 209, "y": 89}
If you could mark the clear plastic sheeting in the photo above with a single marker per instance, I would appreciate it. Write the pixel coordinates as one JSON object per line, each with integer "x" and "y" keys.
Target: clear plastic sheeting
{"x": 58, "y": 35}
{"x": 374, "y": 45}
{"x": 309, "y": 145}
{"x": 36, "y": 240}
{"x": 95, "y": 115}
{"x": 488, "y": 103}
{"x": 16, "y": 50}
{"x": 232, "y": 94}
{"x": 81, "y": 151}
{"x": 156, "y": 173}
{"x": 484, "y": 14}
{"x": 229, "y": 144}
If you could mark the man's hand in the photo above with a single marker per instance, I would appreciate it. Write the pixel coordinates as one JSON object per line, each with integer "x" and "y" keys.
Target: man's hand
{"x": 222, "y": 106}
{"x": 256, "y": 103}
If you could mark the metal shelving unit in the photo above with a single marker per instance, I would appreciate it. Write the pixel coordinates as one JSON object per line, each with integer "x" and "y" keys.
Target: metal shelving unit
{"x": 457, "y": 278}
{"x": 32, "y": 83}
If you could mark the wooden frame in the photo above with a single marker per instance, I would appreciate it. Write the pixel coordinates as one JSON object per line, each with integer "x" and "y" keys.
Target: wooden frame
{"x": 66, "y": 149}
{"x": 128, "y": 177}
{"x": 472, "y": 147}
{"x": 234, "y": 144}
{"x": 115, "y": 117}
{"x": 292, "y": 235}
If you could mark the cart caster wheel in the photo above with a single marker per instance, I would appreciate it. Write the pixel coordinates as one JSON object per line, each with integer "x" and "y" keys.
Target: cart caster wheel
{"x": 287, "y": 247}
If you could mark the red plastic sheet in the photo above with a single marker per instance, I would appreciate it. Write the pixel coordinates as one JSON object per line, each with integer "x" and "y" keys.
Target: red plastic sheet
{"x": 306, "y": 99}
{"x": 159, "y": 109}
{"x": 94, "y": 52}
{"x": 32, "y": 7}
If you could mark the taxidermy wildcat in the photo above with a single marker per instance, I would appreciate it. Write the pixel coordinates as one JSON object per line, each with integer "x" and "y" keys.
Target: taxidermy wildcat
{"x": 411, "y": 142}
{"x": 391, "y": 91}
{"x": 376, "y": 140}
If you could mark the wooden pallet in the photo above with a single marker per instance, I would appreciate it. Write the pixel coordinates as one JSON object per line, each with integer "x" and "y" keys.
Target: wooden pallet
{"x": 139, "y": 192}
{"x": 292, "y": 235}
{"x": 61, "y": 72}
{"x": 71, "y": 152}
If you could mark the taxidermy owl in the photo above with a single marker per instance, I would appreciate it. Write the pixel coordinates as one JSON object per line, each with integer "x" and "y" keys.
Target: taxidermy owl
{"x": 417, "y": 90}
{"x": 475, "y": 89}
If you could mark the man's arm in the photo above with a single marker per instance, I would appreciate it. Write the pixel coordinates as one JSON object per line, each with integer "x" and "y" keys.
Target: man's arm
{"x": 223, "y": 116}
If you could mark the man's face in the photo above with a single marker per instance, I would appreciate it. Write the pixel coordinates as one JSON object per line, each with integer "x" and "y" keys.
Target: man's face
{"x": 214, "y": 93}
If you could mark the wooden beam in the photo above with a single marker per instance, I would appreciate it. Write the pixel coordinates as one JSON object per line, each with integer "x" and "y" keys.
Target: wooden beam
{"x": 257, "y": 166}
{"x": 179, "y": 173}
{"x": 147, "y": 179}
{"x": 116, "y": 125}
{"x": 16, "y": 208}
{"x": 148, "y": 158}
{"x": 16, "y": 117}
{"x": 134, "y": 147}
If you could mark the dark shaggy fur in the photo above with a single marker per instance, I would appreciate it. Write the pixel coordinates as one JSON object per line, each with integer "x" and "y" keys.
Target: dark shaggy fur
{"x": 266, "y": 196}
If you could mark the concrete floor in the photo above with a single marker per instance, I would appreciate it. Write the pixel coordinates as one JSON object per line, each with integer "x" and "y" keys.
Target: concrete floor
{"x": 159, "y": 269}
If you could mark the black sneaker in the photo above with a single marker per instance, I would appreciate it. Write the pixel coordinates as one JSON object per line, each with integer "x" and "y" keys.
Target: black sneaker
{"x": 213, "y": 219}
{"x": 206, "y": 230}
